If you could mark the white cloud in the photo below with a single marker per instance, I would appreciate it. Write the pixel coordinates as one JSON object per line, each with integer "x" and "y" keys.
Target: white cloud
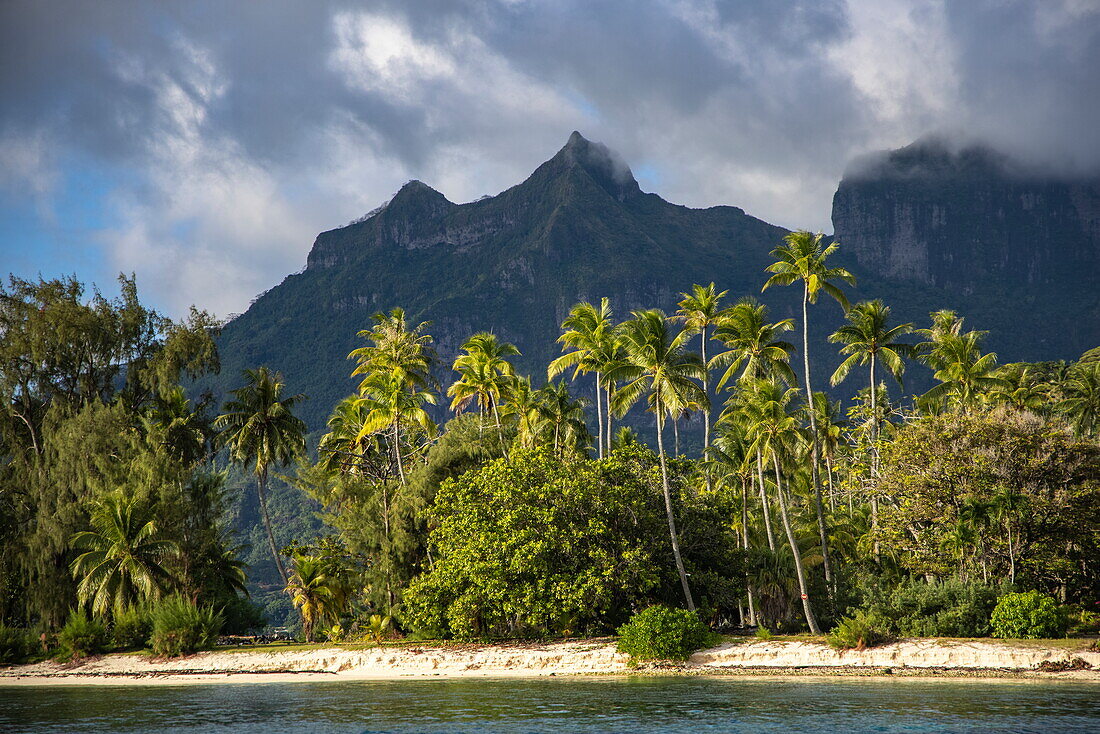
{"x": 899, "y": 57}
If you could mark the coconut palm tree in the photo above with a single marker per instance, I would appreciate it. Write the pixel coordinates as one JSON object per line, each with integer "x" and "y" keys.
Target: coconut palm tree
{"x": 311, "y": 589}
{"x": 391, "y": 406}
{"x": 754, "y": 346}
{"x": 1021, "y": 390}
{"x": 1081, "y": 401}
{"x": 485, "y": 375}
{"x": 803, "y": 258}
{"x": 775, "y": 432}
{"x": 524, "y": 404}
{"x": 121, "y": 564}
{"x": 700, "y": 310}
{"x": 963, "y": 371}
{"x": 1008, "y": 504}
{"x": 563, "y": 418}
{"x": 868, "y": 339}
{"x": 261, "y": 430}
{"x": 730, "y": 459}
{"x": 589, "y": 334}
{"x": 395, "y": 348}
{"x": 656, "y": 365}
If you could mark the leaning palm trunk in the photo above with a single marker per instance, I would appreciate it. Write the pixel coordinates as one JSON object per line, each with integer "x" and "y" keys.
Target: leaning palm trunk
{"x": 262, "y": 492}
{"x": 764, "y": 502}
{"x": 668, "y": 512}
{"x": 806, "y": 608}
{"x": 814, "y": 473}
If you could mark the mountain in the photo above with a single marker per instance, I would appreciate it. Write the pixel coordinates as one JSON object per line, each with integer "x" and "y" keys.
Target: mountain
{"x": 1016, "y": 251}
{"x": 578, "y": 228}
{"x": 924, "y": 227}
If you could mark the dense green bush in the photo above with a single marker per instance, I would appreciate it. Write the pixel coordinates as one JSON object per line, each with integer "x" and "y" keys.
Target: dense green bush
{"x": 180, "y": 627}
{"x": 948, "y": 608}
{"x": 1028, "y": 616}
{"x": 860, "y": 631}
{"x": 538, "y": 545}
{"x": 81, "y": 637}
{"x": 15, "y": 644}
{"x": 131, "y": 629}
{"x": 660, "y": 633}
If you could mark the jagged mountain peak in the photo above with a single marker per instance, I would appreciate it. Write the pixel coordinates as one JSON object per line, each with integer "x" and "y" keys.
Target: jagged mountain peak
{"x": 606, "y": 167}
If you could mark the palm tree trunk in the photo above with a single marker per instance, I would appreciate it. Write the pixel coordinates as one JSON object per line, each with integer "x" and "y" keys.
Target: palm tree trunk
{"x": 764, "y": 502}
{"x": 397, "y": 451}
{"x": 706, "y": 391}
{"x": 874, "y": 420}
{"x": 668, "y": 511}
{"x": 676, "y": 434}
{"x": 745, "y": 481}
{"x": 599, "y": 418}
{"x": 1011, "y": 554}
{"x": 810, "y": 619}
{"x": 829, "y": 476}
{"x": 500, "y": 429}
{"x": 814, "y": 473}
{"x": 609, "y": 417}
{"x": 261, "y": 488}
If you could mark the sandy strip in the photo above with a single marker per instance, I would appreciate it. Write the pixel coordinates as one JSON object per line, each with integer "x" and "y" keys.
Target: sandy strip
{"x": 979, "y": 658}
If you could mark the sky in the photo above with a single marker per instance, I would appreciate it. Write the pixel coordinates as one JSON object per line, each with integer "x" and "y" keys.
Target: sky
{"x": 203, "y": 145}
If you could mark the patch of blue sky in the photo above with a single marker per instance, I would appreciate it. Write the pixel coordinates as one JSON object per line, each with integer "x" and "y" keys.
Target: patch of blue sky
{"x": 60, "y": 234}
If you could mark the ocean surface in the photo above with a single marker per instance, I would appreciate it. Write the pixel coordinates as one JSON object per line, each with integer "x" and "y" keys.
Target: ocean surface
{"x": 486, "y": 706}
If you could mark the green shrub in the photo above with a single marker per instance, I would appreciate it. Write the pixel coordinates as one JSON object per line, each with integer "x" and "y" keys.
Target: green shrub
{"x": 763, "y": 633}
{"x": 858, "y": 632}
{"x": 81, "y": 637}
{"x": 1027, "y": 616}
{"x": 180, "y": 627}
{"x": 660, "y": 633}
{"x": 15, "y": 645}
{"x": 132, "y": 629}
{"x": 915, "y": 608}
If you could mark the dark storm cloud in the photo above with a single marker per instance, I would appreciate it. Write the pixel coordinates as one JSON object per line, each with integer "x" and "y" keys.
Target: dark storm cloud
{"x": 247, "y": 127}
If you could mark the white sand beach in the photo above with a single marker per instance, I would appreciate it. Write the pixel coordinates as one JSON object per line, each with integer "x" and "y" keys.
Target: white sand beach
{"x": 985, "y": 658}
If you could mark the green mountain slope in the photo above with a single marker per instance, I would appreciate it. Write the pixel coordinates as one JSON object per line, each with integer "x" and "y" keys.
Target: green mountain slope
{"x": 578, "y": 228}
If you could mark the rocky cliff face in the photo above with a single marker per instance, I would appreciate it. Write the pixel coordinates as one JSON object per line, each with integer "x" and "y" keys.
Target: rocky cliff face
{"x": 1018, "y": 253}
{"x": 955, "y": 219}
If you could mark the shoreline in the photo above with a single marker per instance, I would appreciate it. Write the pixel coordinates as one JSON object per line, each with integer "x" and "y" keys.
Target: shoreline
{"x": 910, "y": 659}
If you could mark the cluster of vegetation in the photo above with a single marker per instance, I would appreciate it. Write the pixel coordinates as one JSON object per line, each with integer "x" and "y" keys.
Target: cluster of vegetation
{"x": 109, "y": 496}
{"x": 888, "y": 517}
{"x": 540, "y": 512}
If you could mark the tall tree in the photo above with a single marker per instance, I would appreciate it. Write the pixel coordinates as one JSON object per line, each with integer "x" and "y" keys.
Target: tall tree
{"x": 868, "y": 339}
{"x": 311, "y": 590}
{"x": 754, "y": 346}
{"x": 123, "y": 560}
{"x": 964, "y": 373}
{"x": 700, "y": 310}
{"x": 775, "y": 431}
{"x": 563, "y": 418}
{"x": 484, "y": 376}
{"x": 658, "y": 366}
{"x": 261, "y": 430}
{"x": 802, "y": 258}
{"x": 589, "y": 334}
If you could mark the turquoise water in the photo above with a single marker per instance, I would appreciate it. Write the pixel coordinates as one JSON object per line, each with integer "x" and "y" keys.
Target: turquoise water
{"x": 660, "y": 705}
